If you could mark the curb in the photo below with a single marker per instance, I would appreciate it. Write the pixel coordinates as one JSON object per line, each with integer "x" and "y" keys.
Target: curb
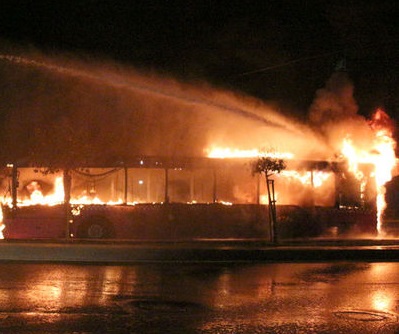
{"x": 130, "y": 253}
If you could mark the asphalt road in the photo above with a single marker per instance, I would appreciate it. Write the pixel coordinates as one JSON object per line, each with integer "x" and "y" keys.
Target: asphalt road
{"x": 334, "y": 297}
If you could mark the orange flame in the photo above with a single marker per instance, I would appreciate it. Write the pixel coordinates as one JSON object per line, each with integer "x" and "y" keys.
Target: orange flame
{"x": 58, "y": 197}
{"x": 381, "y": 155}
{"x": 314, "y": 179}
{"x": 227, "y": 152}
{"x": 37, "y": 197}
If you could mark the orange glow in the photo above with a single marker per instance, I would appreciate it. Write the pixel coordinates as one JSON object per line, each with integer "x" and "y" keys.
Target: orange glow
{"x": 382, "y": 300}
{"x": 381, "y": 155}
{"x": 227, "y": 152}
{"x": 55, "y": 198}
{"x": 86, "y": 200}
{"x": 2, "y": 226}
{"x": 315, "y": 178}
{"x": 283, "y": 194}
{"x": 225, "y": 203}
{"x": 36, "y": 197}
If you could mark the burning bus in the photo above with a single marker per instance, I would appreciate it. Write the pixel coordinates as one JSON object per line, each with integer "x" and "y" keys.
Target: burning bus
{"x": 216, "y": 195}
{"x": 86, "y": 119}
{"x": 158, "y": 198}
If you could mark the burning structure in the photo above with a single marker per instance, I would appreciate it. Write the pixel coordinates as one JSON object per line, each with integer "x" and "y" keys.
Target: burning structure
{"x": 126, "y": 139}
{"x": 164, "y": 198}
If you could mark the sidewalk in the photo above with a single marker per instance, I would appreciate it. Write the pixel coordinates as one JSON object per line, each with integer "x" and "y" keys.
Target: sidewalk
{"x": 228, "y": 251}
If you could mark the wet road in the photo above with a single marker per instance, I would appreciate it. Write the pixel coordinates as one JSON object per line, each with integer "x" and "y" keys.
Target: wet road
{"x": 200, "y": 298}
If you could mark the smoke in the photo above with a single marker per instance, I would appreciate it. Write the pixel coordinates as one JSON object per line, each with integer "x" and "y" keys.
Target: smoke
{"x": 334, "y": 114}
{"x": 70, "y": 110}
{"x": 335, "y": 101}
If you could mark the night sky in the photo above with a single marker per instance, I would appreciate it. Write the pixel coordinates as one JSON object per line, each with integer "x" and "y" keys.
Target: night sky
{"x": 280, "y": 51}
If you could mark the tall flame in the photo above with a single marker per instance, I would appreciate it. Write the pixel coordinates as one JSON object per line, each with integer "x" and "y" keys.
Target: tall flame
{"x": 381, "y": 155}
{"x": 385, "y": 161}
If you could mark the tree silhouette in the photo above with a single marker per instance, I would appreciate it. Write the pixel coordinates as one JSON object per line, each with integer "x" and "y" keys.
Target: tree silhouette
{"x": 269, "y": 165}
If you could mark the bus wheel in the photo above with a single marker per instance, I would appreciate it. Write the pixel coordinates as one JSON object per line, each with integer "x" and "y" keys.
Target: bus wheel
{"x": 96, "y": 228}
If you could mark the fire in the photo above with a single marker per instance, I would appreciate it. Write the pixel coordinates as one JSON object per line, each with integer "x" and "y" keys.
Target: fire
{"x": 314, "y": 178}
{"x": 312, "y": 186}
{"x": 87, "y": 200}
{"x": 304, "y": 178}
{"x": 37, "y": 197}
{"x": 381, "y": 155}
{"x": 227, "y": 152}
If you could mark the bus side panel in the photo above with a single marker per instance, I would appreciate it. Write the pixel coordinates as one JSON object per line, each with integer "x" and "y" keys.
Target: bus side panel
{"x": 35, "y": 222}
{"x": 349, "y": 221}
{"x": 217, "y": 221}
{"x": 180, "y": 221}
{"x": 141, "y": 222}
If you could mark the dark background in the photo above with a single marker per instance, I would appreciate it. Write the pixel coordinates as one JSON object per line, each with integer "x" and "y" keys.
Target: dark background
{"x": 280, "y": 51}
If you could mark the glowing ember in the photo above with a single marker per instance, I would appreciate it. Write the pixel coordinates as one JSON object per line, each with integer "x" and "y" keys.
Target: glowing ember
{"x": 87, "y": 200}
{"x": 225, "y": 203}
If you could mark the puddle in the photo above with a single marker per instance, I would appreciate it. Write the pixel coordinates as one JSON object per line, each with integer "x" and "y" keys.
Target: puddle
{"x": 365, "y": 315}
{"x": 159, "y": 305}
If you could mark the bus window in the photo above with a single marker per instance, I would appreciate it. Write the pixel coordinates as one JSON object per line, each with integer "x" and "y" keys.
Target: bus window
{"x": 236, "y": 184}
{"x": 146, "y": 185}
{"x": 98, "y": 185}
{"x": 203, "y": 182}
{"x": 35, "y": 187}
{"x": 191, "y": 186}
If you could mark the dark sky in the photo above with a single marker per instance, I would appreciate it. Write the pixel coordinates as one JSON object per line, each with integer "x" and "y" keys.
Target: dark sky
{"x": 275, "y": 50}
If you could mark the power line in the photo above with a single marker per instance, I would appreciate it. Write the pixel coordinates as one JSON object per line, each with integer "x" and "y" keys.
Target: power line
{"x": 265, "y": 69}
{"x": 382, "y": 43}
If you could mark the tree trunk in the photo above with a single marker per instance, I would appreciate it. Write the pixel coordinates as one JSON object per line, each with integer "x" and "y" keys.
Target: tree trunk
{"x": 272, "y": 209}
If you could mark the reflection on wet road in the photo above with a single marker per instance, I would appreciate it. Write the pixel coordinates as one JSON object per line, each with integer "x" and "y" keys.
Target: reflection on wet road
{"x": 200, "y": 298}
